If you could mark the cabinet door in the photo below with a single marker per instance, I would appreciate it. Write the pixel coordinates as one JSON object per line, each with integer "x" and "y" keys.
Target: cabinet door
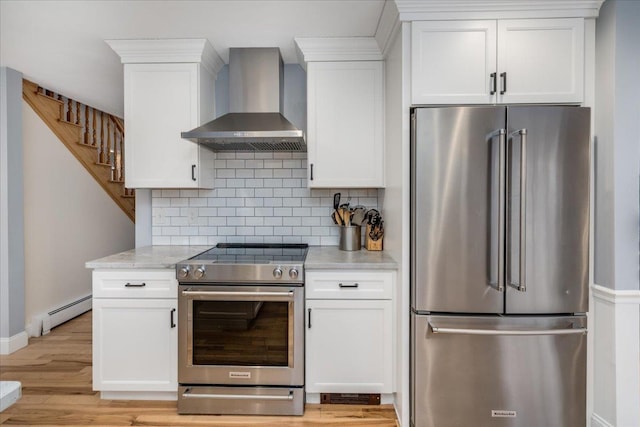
{"x": 543, "y": 60}
{"x": 135, "y": 345}
{"x": 161, "y": 100}
{"x": 345, "y": 124}
{"x": 349, "y": 346}
{"x": 452, "y": 62}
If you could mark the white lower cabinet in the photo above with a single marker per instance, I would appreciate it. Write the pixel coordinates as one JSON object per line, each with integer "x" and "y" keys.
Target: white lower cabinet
{"x": 349, "y": 336}
{"x": 135, "y": 336}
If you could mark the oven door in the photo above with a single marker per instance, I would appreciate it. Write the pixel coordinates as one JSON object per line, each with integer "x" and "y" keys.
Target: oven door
{"x": 241, "y": 335}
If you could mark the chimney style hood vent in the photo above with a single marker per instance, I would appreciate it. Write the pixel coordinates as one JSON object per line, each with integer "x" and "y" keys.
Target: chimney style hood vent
{"x": 256, "y": 102}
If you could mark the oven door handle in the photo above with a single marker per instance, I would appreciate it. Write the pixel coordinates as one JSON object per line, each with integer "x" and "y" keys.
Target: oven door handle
{"x": 189, "y": 395}
{"x": 239, "y": 295}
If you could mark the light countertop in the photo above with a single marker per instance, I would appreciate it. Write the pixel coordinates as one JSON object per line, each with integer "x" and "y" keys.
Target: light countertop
{"x": 318, "y": 258}
{"x": 148, "y": 257}
{"x": 332, "y": 258}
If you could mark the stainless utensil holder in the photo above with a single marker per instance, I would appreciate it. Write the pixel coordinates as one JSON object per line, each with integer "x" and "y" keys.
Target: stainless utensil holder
{"x": 350, "y": 238}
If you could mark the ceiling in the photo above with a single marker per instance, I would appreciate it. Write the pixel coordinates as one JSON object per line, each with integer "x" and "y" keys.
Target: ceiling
{"x": 60, "y": 44}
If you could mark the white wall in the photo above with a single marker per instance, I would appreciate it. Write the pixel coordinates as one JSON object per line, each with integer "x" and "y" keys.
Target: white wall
{"x": 12, "y": 335}
{"x": 616, "y": 308}
{"x": 69, "y": 219}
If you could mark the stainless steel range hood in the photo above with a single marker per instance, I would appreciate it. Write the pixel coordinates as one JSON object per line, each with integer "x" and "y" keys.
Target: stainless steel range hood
{"x": 256, "y": 102}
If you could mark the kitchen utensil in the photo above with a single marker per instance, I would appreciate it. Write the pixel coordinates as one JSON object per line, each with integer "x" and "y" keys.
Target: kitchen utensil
{"x": 334, "y": 217}
{"x": 336, "y": 201}
{"x": 358, "y": 215}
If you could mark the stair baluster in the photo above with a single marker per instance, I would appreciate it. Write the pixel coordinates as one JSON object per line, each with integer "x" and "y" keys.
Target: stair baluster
{"x": 78, "y": 125}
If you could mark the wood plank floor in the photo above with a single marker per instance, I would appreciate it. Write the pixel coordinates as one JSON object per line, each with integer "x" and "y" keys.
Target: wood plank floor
{"x": 55, "y": 371}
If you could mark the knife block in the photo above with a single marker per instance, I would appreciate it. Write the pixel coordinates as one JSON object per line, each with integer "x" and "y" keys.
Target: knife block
{"x": 372, "y": 245}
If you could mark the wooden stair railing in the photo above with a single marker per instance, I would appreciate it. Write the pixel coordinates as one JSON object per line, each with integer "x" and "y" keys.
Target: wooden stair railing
{"x": 94, "y": 137}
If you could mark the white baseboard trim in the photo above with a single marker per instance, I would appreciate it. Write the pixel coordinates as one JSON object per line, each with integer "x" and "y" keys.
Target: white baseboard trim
{"x": 616, "y": 296}
{"x": 14, "y": 343}
{"x": 41, "y": 324}
{"x": 598, "y": 421}
{"x": 616, "y": 369}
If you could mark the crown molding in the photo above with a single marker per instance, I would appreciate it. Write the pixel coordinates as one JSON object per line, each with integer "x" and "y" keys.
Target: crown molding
{"x": 146, "y": 51}
{"x": 388, "y": 26}
{"x": 315, "y": 49}
{"x": 424, "y": 10}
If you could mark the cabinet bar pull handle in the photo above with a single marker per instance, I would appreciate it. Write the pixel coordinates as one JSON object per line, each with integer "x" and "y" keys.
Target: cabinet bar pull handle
{"x": 190, "y": 395}
{"x": 493, "y": 83}
{"x": 135, "y": 285}
{"x": 503, "y": 85}
{"x": 342, "y": 285}
{"x": 311, "y": 171}
{"x": 462, "y": 331}
{"x": 193, "y": 172}
{"x": 521, "y": 284}
{"x": 173, "y": 323}
{"x": 309, "y": 318}
{"x": 498, "y": 283}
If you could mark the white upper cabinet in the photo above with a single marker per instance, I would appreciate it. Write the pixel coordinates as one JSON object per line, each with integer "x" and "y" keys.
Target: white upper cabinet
{"x": 345, "y": 124}
{"x": 498, "y": 61}
{"x": 345, "y": 112}
{"x": 168, "y": 89}
{"x": 452, "y": 62}
{"x": 542, "y": 60}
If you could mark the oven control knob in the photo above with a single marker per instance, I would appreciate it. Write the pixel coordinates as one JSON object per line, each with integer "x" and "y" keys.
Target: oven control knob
{"x": 183, "y": 272}
{"x": 199, "y": 273}
{"x": 277, "y": 273}
{"x": 293, "y": 273}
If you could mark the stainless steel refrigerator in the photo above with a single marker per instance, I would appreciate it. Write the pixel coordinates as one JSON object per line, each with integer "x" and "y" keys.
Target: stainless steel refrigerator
{"x": 499, "y": 266}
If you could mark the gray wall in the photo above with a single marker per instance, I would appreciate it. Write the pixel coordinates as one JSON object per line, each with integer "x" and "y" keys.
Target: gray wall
{"x": 617, "y": 147}
{"x": 12, "y": 308}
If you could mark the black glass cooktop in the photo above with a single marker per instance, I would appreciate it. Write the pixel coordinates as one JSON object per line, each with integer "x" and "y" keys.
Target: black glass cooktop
{"x": 253, "y": 253}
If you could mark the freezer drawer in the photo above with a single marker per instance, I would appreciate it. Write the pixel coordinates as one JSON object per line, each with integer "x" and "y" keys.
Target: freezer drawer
{"x": 497, "y": 371}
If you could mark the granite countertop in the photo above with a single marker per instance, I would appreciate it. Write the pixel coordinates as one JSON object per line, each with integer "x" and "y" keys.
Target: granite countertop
{"x": 332, "y": 258}
{"x": 148, "y": 257}
{"x": 318, "y": 258}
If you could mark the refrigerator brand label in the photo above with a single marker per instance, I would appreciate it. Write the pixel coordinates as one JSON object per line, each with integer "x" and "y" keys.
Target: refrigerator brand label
{"x": 246, "y": 375}
{"x": 499, "y": 413}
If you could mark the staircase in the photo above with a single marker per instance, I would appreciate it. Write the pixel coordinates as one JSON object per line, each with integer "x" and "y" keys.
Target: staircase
{"x": 94, "y": 137}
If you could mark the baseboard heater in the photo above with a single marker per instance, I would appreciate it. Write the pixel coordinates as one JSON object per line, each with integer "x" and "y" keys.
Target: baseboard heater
{"x": 65, "y": 313}
{"x": 350, "y": 398}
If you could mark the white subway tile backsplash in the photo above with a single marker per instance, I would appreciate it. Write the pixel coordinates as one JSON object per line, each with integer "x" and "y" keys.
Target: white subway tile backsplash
{"x": 264, "y": 173}
{"x": 170, "y": 193}
{"x": 292, "y": 220}
{"x": 256, "y": 220}
{"x": 264, "y": 192}
{"x": 273, "y": 164}
{"x": 179, "y": 240}
{"x": 245, "y": 173}
{"x": 236, "y": 221}
{"x": 258, "y": 197}
{"x": 225, "y": 173}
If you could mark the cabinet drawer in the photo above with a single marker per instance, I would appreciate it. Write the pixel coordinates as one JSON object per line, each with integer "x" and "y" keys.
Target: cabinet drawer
{"x": 135, "y": 284}
{"x": 349, "y": 284}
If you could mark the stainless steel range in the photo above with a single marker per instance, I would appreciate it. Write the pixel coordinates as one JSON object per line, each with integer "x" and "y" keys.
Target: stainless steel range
{"x": 241, "y": 330}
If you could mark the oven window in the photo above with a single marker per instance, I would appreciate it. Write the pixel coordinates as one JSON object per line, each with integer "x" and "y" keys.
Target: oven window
{"x": 245, "y": 333}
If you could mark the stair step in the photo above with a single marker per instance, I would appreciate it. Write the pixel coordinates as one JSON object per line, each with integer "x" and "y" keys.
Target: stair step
{"x": 128, "y": 196}
{"x": 103, "y": 164}
{"x": 50, "y": 97}
{"x": 70, "y": 123}
{"x": 117, "y": 181}
{"x": 82, "y": 144}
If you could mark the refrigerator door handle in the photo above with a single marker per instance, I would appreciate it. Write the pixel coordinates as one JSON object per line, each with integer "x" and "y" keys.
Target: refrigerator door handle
{"x": 521, "y": 284}
{"x": 499, "y": 283}
{"x": 521, "y": 332}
